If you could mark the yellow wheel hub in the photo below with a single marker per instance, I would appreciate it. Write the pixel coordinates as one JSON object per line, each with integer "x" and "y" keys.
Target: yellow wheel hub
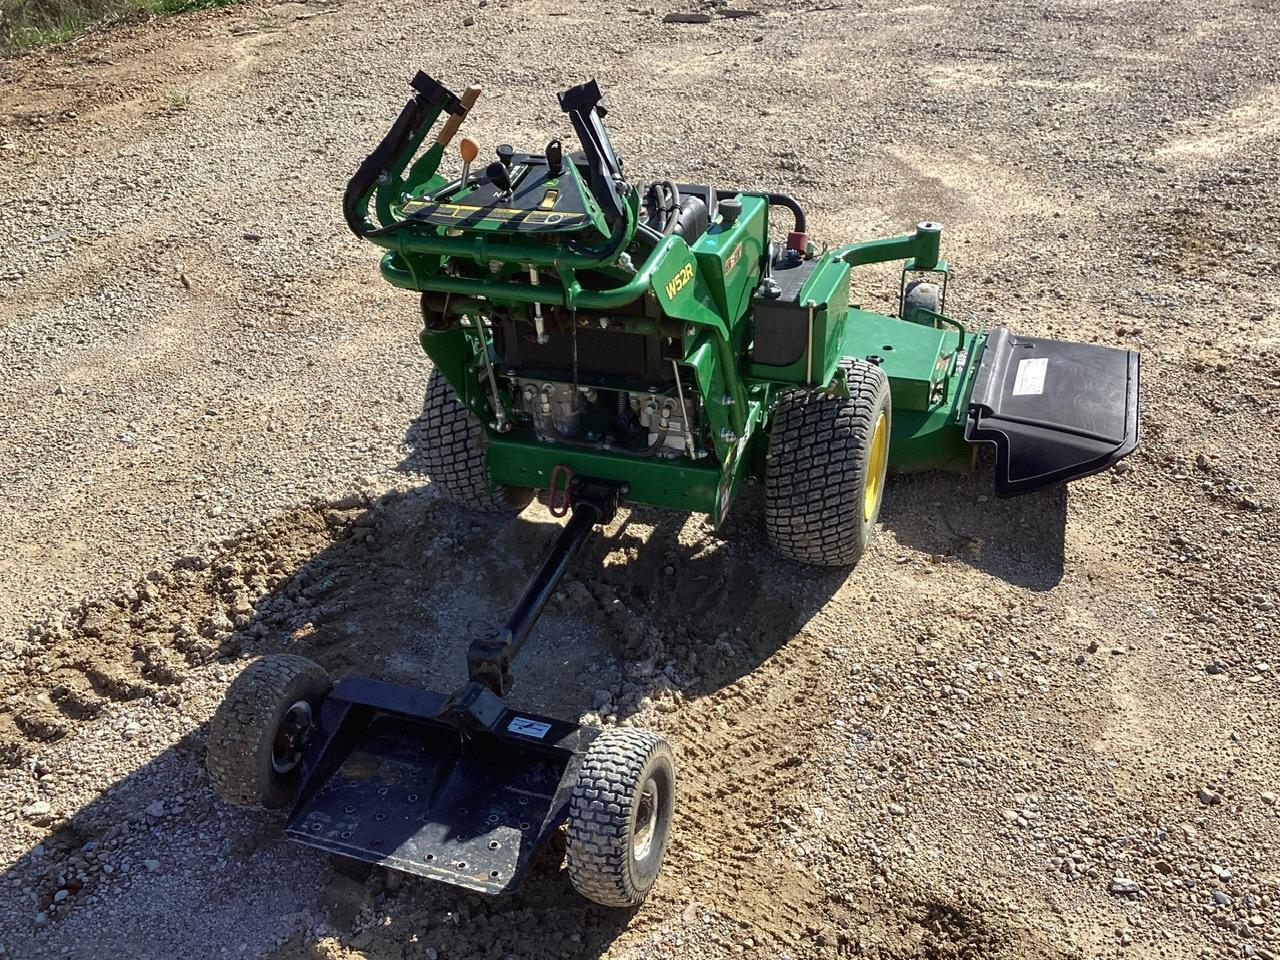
{"x": 876, "y": 464}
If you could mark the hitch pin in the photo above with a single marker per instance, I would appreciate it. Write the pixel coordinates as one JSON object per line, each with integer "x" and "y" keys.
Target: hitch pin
{"x": 538, "y": 325}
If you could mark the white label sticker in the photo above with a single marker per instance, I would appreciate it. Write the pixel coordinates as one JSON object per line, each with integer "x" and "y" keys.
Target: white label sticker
{"x": 529, "y": 728}
{"x": 1030, "y": 378}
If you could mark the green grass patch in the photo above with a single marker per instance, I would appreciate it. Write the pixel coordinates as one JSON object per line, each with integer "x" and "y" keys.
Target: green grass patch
{"x": 27, "y": 36}
{"x": 32, "y": 23}
{"x": 178, "y": 100}
{"x": 165, "y": 8}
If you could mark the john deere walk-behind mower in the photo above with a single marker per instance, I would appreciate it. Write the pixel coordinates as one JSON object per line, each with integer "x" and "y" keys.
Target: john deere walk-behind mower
{"x": 601, "y": 340}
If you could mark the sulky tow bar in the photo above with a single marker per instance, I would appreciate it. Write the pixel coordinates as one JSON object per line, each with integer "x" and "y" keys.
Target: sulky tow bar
{"x": 457, "y": 787}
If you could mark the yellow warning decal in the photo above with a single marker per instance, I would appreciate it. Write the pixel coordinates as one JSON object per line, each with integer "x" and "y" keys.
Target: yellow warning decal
{"x": 464, "y": 211}
{"x": 677, "y": 283}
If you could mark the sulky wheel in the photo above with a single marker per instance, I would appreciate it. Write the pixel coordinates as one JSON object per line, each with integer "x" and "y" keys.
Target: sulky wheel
{"x": 825, "y": 470}
{"x": 620, "y": 816}
{"x": 259, "y": 730}
{"x": 453, "y": 453}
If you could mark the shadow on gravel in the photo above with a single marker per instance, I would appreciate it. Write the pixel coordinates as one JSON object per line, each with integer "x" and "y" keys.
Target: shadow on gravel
{"x": 656, "y": 609}
{"x": 202, "y": 879}
{"x": 156, "y": 867}
{"x": 1021, "y": 540}
{"x": 659, "y": 609}
{"x": 668, "y": 588}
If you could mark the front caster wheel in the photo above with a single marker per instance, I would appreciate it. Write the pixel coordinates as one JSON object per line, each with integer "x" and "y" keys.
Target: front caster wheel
{"x": 620, "y": 816}
{"x": 259, "y": 730}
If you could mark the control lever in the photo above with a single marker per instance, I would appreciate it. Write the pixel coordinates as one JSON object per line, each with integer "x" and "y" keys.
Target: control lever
{"x": 586, "y": 109}
{"x": 469, "y": 150}
{"x": 468, "y": 99}
{"x": 498, "y": 176}
{"x": 555, "y": 158}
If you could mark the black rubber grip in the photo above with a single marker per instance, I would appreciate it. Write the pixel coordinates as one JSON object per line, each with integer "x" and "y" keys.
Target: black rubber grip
{"x": 437, "y": 94}
{"x": 582, "y": 97}
{"x": 412, "y": 114}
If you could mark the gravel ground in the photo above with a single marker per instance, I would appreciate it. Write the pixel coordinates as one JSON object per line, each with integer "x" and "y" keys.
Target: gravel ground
{"x": 1038, "y": 728}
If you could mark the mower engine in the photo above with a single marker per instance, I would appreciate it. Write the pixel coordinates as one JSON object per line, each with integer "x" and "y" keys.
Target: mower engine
{"x": 649, "y": 423}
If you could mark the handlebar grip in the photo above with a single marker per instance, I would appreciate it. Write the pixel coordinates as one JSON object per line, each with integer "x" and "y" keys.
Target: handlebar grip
{"x": 366, "y": 177}
{"x": 468, "y": 99}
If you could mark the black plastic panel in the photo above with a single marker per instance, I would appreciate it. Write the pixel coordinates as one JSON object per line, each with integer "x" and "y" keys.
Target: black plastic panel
{"x": 412, "y": 797}
{"x": 781, "y": 333}
{"x": 390, "y": 778}
{"x": 541, "y": 202}
{"x": 1054, "y": 410}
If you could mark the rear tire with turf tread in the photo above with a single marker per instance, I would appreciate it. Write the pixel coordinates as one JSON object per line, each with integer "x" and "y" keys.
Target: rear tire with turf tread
{"x": 453, "y": 453}
{"x": 818, "y": 469}
{"x": 243, "y": 731}
{"x": 620, "y": 816}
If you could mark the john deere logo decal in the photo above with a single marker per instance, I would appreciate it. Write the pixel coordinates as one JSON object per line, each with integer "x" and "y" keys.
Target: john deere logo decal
{"x": 676, "y": 283}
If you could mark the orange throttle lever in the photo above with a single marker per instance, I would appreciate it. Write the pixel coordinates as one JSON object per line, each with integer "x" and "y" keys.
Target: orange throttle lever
{"x": 469, "y": 150}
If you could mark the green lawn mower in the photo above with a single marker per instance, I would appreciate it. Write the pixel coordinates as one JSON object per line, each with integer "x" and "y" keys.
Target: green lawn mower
{"x": 601, "y": 340}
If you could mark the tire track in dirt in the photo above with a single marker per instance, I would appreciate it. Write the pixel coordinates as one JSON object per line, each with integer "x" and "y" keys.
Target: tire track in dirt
{"x": 747, "y": 709}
